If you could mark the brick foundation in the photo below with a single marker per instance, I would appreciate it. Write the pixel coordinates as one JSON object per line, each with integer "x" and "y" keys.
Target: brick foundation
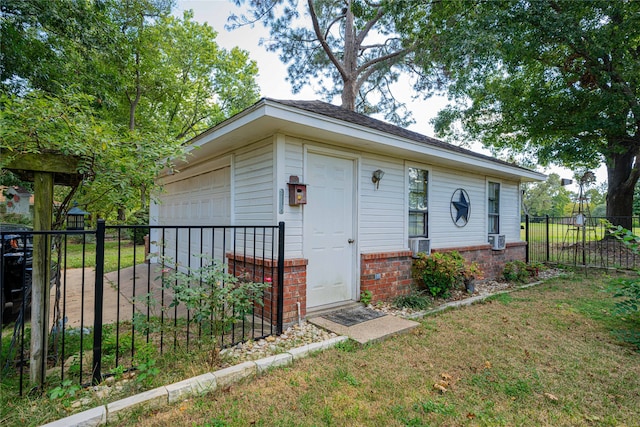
{"x": 385, "y": 274}
{"x": 492, "y": 262}
{"x": 295, "y": 284}
{"x": 394, "y": 270}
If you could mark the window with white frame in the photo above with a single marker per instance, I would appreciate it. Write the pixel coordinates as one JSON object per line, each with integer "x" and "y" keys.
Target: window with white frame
{"x": 418, "y": 203}
{"x": 494, "y": 207}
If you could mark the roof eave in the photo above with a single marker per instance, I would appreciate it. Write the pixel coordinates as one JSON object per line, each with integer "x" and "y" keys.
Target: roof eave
{"x": 270, "y": 116}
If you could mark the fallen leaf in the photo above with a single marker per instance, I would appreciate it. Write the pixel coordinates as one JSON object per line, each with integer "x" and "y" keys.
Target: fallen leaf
{"x": 487, "y": 365}
{"x": 439, "y": 387}
{"x": 443, "y": 383}
{"x": 551, "y": 397}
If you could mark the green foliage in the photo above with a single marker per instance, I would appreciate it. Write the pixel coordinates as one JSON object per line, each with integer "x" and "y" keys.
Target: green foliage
{"x": 67, "y": 389}
{"x": 348, "y": 346}
{"x": 627, "y": 290}
{"x": 121, "y": 84}
{"x": 513, "y": 68}
{"x": 440, "y": 272}
{"x": 437, "y": 273}
{"x": 136, "y": 235}
{"x": 416, "y": 300}
{"x": 547, "y": 198}
{"x": 216, "y": 298}
{"x": 348, "y": 50}
{"x": 515, "y": 271}
{"x": 366, "y": 296}
{"x": 147, "y": 371}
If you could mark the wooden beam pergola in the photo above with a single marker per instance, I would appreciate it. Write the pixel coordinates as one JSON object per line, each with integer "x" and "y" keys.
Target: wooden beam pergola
{"x": 44, "y": 170}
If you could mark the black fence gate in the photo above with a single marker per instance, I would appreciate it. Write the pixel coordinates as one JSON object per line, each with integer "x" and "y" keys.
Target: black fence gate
{"x": 110, "y": 304}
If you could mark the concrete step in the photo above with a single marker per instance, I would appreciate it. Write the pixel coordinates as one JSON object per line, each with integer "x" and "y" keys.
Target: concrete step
{"x": 369, "y": 330}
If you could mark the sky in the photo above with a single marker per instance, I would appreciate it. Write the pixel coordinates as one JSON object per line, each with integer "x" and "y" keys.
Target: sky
{"x": 273, "y": 73}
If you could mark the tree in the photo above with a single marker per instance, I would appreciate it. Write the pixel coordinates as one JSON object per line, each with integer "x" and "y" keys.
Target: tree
{"x": 348, "y": 47}
{"x": 547, "y": 198}
{"x": 554, "y": 80}
{"x": 138, "y": 79}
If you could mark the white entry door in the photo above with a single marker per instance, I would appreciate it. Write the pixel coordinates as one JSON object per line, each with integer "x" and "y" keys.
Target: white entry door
{"x": 328, "y": 230}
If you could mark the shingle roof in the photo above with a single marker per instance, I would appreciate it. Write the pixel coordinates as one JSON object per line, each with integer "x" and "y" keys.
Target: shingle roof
{"x": 336, "y": 112}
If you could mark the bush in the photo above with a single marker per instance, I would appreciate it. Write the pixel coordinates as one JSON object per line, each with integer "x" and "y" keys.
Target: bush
{"x": 136, "y": 235}
{"x": 441, "y": 272}
{"x": 416, "y": 300}
{"x": 627, "y": 290}
{"x": 516, "y": 271}
{"x": 216, "y": 298}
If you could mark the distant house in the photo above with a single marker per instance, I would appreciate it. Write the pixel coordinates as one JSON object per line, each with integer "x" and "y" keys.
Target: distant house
{"x": 359, "y": 197}
{"x": 16, "y": 200}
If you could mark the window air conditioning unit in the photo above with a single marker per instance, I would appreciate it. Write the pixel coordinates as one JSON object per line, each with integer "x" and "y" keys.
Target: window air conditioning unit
{"x": 420, "y": 244}
{"x": 497, "y": 241}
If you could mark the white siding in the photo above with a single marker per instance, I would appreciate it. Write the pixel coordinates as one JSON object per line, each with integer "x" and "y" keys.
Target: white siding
{"x": 257, "y": 173}
{"x": 442, "y": 230}
{"x": 383, "y": 211}
{"x": 292, "y": 215}
{"x": 253, "y": 185}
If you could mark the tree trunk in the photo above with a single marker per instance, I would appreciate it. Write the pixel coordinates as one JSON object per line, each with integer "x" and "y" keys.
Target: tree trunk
{"x": 622, "y": 176}
{"x": 349, "y": 92}
{"x": 350, "y": 62}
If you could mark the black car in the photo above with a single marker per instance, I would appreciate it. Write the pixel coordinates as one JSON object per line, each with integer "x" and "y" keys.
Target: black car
{"x": 16, "y": 250}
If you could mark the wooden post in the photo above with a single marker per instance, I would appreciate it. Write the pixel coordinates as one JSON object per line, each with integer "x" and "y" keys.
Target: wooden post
{"x": 45, "y": 170}
{"x": 43, "y": 207}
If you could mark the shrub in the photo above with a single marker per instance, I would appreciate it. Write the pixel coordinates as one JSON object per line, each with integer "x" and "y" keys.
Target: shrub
{"x": 440, "y": 272}
{"x": 136, "y": 235}
{"x": 416, "y": 300}
{"x": 627, "y": 290}
{"x": 516, "y": 271}
{"x": 216, "y": 298}
{"x": 437, "y": 273}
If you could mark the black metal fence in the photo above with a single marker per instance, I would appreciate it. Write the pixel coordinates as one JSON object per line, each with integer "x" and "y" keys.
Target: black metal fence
{"x": 110, "y": 304}
{"x": 579, "y": 240}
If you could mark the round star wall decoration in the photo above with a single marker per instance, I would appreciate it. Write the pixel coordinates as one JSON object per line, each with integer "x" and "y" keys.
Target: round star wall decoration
{"x": 460, "y": 207}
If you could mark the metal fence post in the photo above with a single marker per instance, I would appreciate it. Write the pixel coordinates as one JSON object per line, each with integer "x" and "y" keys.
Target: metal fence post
{"x": 280, "y": 325}
{"x": 546, "y": 239}
{"x": 97, "y": 306}
{"x": 526, "y": 237}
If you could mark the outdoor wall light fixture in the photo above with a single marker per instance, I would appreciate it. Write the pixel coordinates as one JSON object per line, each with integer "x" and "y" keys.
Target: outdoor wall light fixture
{"x": 377, "y": 177}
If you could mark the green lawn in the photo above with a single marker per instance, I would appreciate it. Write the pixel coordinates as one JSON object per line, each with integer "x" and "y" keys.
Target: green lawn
{"x": 112, "y": 252}
{"x": 551, "y": 355}
{"x": 545, "y": 356}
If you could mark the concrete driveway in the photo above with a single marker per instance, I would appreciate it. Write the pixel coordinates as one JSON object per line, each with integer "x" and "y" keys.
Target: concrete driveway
{"x": 125, "y": 292}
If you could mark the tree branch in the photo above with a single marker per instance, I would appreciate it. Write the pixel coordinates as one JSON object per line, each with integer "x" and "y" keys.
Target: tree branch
{"x": 384, "y": 58}
{"x": 323, "y": 42}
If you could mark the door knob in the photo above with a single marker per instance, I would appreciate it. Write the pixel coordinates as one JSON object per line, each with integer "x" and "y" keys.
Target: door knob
{"x": 350, "y": 240}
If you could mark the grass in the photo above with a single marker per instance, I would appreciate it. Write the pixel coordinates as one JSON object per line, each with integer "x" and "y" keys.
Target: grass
{"x": 546, "y": 355}
{"x": 113, "y": 251}
{"x": 540, "y": 356}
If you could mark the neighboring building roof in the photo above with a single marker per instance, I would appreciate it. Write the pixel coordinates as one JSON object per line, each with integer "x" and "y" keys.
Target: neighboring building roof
{"x": 18, "y": 190}
{"x": 321, "y": 121}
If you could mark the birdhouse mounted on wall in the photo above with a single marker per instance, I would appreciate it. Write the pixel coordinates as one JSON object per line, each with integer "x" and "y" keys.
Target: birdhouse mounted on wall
{"x": 297, "y": 191}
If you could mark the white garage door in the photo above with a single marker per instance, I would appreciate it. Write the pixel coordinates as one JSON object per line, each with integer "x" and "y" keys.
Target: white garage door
{"x": 199, "y": 200}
